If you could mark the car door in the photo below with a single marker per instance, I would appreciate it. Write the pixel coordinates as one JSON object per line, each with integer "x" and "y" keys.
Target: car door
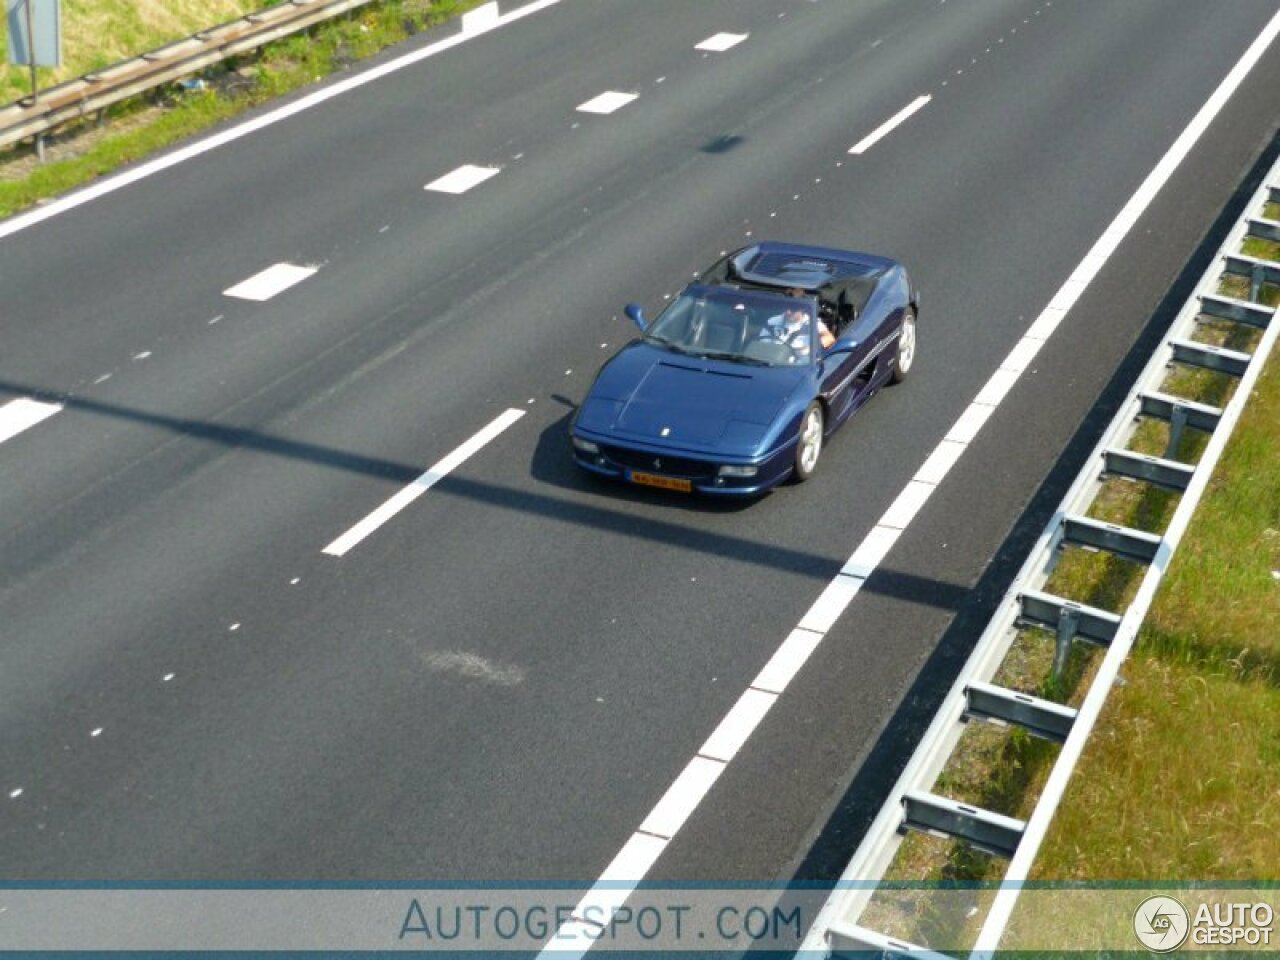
{"x": 845, "y": 375}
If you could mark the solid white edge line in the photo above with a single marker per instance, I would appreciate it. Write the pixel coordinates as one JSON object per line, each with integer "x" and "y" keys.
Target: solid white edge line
{"x": 22, "y": 414}
{"x": 831, "y": 603}
{"x": 882, "y": 131}
{"x": 608, "y": 893}
{"x": 682, "y": 797}
{"x": 997, "y": 387}
{"x": 880, "y": 539}
{"x": 872, "y": 549}
{"x": 141, "y": 172}
{"x": 343, "y": 544}
{"x": 907, "y": 504}
{"x": 1045, "y": 324}
{"x": 939, "y": 464}
{"x": 787, "y": 660}
{"x": 483, "y": 18}
{"x": 970, "y": 422}
{"x": 738, "y": 724}
{"x": 1025, "y": 350}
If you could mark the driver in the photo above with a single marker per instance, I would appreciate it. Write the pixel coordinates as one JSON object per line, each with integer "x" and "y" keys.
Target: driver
{"x": 791, "y": 328}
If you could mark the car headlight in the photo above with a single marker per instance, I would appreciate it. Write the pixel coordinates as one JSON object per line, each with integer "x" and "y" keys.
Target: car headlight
{"x": 586, "y": 446}
{"x": 729, "y": 470}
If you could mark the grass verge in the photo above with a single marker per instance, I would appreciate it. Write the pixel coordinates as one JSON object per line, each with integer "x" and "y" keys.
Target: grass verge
{"x": 133, "y": 130}
{"x": 1181, "y": 779}
{"x": 98, "y": 33}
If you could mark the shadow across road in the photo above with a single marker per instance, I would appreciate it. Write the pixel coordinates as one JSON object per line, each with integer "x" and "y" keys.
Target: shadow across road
{"x": 572, "y": 497}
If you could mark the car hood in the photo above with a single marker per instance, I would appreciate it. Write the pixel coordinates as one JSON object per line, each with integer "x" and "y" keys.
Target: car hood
{"x": 654, "y": 395}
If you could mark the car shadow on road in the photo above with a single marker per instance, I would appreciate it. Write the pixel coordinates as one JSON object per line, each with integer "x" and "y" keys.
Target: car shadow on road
{"x": 575, "y": 497}
{"x": 552, "y": 464}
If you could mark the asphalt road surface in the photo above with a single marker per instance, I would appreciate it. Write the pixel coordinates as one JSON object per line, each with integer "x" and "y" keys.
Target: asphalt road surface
{"x": 501, "y": 680}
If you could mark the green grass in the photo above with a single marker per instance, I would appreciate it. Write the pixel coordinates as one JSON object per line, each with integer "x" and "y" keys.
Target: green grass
{"x": 97, "y": 33}
{"x": 196, "y": 113}
{"x": 1183, "y": 781}
{"x": 1262, "y": 249}
{"x": 150, "y": 123}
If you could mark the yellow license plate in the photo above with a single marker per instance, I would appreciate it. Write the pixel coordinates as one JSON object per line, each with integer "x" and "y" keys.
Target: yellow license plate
{"x": 666, "y": 483}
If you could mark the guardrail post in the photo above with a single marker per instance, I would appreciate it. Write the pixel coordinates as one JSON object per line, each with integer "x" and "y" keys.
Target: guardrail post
{"x": 1177, "y": 424}
{"x": 1068, "y": 622}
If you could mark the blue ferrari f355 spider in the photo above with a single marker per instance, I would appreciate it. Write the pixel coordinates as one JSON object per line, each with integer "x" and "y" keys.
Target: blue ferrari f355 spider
{"x": 736, "y": 385}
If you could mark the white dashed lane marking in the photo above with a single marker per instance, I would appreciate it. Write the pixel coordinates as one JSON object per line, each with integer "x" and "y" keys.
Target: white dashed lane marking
{"x": 721, "y": 42}
{"x": 461, "y": 180}
{"x": 421, "y": 485}
{"x": 270, "y": 282}
{"x": 882, "y": 131}
{"x": 22, "y": 414}
{"x": 607, "y": 102}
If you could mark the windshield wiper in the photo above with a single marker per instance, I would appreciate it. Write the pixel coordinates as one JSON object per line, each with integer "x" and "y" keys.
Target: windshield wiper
{"x": 669, "y": 344}
{"x": 733, "y": 358}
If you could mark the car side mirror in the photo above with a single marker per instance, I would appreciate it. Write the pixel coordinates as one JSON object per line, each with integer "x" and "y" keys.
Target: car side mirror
{"x": 636, "y": 314}
{"x": 843, "y": 345}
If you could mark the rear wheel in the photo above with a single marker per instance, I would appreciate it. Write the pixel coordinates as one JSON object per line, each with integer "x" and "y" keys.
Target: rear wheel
{"x": 906, "y": 354}
{"x": 809, "y": 448}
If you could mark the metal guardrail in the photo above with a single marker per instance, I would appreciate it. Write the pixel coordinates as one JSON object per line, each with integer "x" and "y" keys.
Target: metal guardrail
{"x": 911, "y": 806}
{"x": 94, "y": 91}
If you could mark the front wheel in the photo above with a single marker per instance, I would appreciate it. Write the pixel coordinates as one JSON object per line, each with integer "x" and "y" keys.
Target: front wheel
{"x": 809, "y": 449}
{"x": 906, "y": 354}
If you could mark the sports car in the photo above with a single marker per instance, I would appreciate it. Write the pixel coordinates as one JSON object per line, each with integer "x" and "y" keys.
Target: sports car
{"x": 736, "y": 385}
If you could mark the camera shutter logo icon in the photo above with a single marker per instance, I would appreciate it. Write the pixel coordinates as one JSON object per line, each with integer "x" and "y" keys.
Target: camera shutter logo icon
{"x": 1161, "y": 923}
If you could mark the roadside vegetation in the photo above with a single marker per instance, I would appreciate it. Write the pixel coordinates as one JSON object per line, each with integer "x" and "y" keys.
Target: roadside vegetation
{"x": 1181, "y": 778}
{"x": 99, "y": 32}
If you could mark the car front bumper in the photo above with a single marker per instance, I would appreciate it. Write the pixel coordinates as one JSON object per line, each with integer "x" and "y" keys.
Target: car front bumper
{"x": 624, "y": 461}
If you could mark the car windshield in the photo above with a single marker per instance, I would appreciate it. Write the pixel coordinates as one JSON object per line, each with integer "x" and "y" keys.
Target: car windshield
{"x": 743, "y": 326}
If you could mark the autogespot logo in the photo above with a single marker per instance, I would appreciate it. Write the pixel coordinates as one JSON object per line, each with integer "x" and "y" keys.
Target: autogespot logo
{"x": 1161, "y": 923}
